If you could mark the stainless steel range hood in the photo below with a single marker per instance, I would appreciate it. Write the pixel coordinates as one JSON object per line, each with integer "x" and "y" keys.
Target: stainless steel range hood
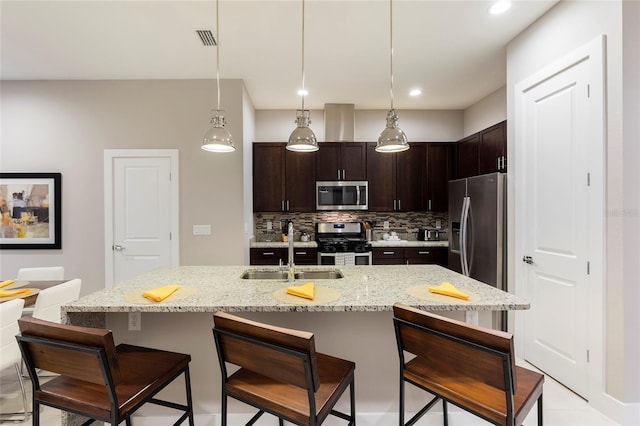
{"x": 339, "y": 122}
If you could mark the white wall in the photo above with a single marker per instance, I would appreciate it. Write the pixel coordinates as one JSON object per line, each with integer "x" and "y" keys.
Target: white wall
{"x": 564, "y": 28}
{"x": 64, "y": 126}
{"x": 419, "y": 125}
{"x": 485, "y": 113}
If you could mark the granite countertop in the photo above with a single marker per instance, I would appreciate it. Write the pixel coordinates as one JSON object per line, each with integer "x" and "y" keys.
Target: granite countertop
{"x": 376, "y": 243}
{"x": 363, "y": 288}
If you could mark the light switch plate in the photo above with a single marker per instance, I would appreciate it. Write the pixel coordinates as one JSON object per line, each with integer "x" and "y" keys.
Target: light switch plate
{"x": 201, "y": 229}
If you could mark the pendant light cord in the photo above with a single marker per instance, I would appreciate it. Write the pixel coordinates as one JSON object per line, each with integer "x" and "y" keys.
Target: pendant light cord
{"x": 303, "y": 56}
{"x": 391, "y": 47}
{"x": 218, "y": 52}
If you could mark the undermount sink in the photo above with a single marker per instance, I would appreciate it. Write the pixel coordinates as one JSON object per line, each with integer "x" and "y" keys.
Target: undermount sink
{"x": 254, "y": 274}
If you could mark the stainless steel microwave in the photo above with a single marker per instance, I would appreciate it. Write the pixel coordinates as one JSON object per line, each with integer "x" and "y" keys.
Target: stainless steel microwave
{"x": 342, "y": 195}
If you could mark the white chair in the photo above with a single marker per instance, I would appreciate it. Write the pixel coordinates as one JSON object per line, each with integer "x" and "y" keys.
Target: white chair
{"x": 50, "y": 300}
{"x": 10, "y": 312}
{"x": 49, "y": 273}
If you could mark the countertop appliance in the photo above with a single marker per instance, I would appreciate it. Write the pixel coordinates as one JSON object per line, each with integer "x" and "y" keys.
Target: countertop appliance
{"x": 342, "y": 243}
{"x": 342, "y": 195}
{"x": 477, "y": 231}
{"x": 428, "y": 235}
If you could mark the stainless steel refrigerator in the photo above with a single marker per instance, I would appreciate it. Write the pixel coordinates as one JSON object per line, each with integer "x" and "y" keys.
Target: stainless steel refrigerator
{"x": 477, "y": 231}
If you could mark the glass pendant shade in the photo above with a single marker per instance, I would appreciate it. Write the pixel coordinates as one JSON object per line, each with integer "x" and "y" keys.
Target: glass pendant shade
{"x": 217, "y": 138}
{"x": 392, "y": 138}
{"x": 302, "y": 138}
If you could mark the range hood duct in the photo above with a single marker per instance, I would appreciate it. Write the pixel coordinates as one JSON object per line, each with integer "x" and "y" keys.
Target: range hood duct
{"x": 339, "y": 122}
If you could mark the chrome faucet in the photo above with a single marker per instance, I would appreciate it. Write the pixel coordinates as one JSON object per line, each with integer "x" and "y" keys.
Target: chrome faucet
{"x": 290, "y": 264}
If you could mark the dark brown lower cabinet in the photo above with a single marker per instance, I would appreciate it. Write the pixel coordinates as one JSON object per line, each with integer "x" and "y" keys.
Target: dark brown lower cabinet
{"x": 272, "y": 256}
{"x": 410, "y": 255}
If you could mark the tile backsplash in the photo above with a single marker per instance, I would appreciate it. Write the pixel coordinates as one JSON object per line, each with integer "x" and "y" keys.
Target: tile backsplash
{"x": 405, "y": 224}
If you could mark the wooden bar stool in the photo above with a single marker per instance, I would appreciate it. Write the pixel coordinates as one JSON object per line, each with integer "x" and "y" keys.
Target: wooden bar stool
{"x": 469, "y": 366}
{"x": 280, "y": 372}
{"x": 97, "y": 379}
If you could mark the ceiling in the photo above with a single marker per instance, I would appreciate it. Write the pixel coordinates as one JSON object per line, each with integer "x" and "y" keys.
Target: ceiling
{"x": 454, "y": 51}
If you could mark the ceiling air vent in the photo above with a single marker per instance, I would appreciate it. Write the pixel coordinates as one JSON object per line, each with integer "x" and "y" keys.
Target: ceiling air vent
{"x": 206, "y": 36}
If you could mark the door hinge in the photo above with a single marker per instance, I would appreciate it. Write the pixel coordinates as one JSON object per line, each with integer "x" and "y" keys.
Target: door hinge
{"x": 170, "y": 236}
{"x": 587, "y": 355}
{"x": 588, "y": 179}
{"x": 169, "y": 176}
{"x": 588, "y": 90}
{"x": 588, "y": 268}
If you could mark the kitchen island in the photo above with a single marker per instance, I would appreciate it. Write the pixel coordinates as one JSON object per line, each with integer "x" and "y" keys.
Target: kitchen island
{"x": 354, "y": 323}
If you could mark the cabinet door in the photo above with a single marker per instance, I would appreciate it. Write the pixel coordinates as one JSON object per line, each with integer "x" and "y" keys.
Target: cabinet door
{"x": 353, "y": 156}
{"x": 305, "y": 256}
{"x": 468, "y": 156}
{"x": 492, "y": 149}
{"x": 439, "y": 173}
{"x": 263, "y": 256}
{"x": 328, "y": 165}
{"x": 387, "y": 256}
{"x": 300, "y": 181}
{"x": 411, "y": 178}
{"x": 268, "y": 177}
{"x": 381, "y": 174}
{"x": 426, "y": 256}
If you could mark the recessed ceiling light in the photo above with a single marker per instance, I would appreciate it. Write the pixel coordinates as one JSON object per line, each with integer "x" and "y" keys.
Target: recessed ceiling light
{"x": 303, "y": 92}
{"x": 415, "y": 92}
{"x": 500, "y": 7}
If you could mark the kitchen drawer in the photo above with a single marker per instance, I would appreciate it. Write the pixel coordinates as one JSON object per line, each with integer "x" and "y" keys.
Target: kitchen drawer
{"x": 267, "y": 256}
{"x": 305, "y": 256}
{"x": 426, "y": 255}
{"x": 387, "y": 255}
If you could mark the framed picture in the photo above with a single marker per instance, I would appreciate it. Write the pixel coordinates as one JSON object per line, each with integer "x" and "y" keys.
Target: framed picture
{"x": 31, "y": 210}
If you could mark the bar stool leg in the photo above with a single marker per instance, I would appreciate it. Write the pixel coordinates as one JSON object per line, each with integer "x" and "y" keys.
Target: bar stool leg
{"x": 445, "y": 413}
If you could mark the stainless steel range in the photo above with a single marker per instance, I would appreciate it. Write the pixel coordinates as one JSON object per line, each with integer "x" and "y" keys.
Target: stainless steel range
{"x": 342, "y": 243}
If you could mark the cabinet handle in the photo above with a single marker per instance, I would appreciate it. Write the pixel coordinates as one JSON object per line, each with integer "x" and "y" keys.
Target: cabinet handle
{"x": 282, "y": 205}
{"x": 288, "y": 206}
{"x": 388, "y": 252}
{"x": 504, "y": 162}
{"x": 394, "y": 205}
{"x": 338, "y": 171}
{"x": 301, "y": 253}
{"x": 429, "y": 205}
{"x": 498, "y": 166}
{"x": 268, "y": 253}
{"x": 423, "y": 252}
{"x": 344, "y": 175}
{"x": 399, "y": 205}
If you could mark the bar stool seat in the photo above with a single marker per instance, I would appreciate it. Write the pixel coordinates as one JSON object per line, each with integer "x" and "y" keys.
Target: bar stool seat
{"x": 97, "y": 379}
{"x": 280, "y": 372}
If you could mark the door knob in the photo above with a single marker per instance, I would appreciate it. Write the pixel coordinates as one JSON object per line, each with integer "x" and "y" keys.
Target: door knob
{"x": 117, "y": 247}
{"x": 527, "y": 259}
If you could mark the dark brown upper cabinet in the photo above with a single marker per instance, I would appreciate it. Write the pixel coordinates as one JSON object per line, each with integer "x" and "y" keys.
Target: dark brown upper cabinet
{"x": 341, "y": 161}
{"x": 397, "y": 180}
{"x": 283, "y": 181}
{"x": 483, "y": 152}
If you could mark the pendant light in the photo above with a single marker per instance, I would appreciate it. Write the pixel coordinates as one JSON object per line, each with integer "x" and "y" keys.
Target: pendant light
{"x": 392, "y": 138}
{"x": 302, "y": 138}
{"x": 217, "y": 138}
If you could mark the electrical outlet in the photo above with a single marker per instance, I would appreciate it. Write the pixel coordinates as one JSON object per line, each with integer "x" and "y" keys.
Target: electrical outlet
{"x": 134, "y": 321}
{"x": 438, "y": 224}
{"x": 269, "y": 225}
{"x": 386, "y": 224}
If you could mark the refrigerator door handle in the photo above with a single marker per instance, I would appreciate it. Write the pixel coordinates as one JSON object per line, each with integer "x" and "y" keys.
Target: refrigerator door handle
{"x": 464, "y": 218}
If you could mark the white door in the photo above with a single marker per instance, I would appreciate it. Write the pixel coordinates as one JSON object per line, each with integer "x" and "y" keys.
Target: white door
{"x": 558, "y": 124}
{"x": 141, "y": 212}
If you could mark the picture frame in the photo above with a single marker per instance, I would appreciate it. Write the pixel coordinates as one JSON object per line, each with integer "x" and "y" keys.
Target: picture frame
{"x": 30, "y": 211}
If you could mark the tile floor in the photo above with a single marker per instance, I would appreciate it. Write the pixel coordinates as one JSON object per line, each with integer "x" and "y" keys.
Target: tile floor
{"x": 561, "y": 408}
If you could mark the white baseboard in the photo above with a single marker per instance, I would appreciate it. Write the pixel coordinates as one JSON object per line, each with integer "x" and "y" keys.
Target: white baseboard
{"x": 625, "y": 414}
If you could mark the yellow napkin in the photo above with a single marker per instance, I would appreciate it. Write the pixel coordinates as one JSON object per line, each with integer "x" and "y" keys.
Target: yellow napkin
{"x": 305, "y": 290}
{"x": 19, "y": 292}
{"x": 6, "y": 283}
{"x": 161, "y": 293}
{"x": 448, "y": 289}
